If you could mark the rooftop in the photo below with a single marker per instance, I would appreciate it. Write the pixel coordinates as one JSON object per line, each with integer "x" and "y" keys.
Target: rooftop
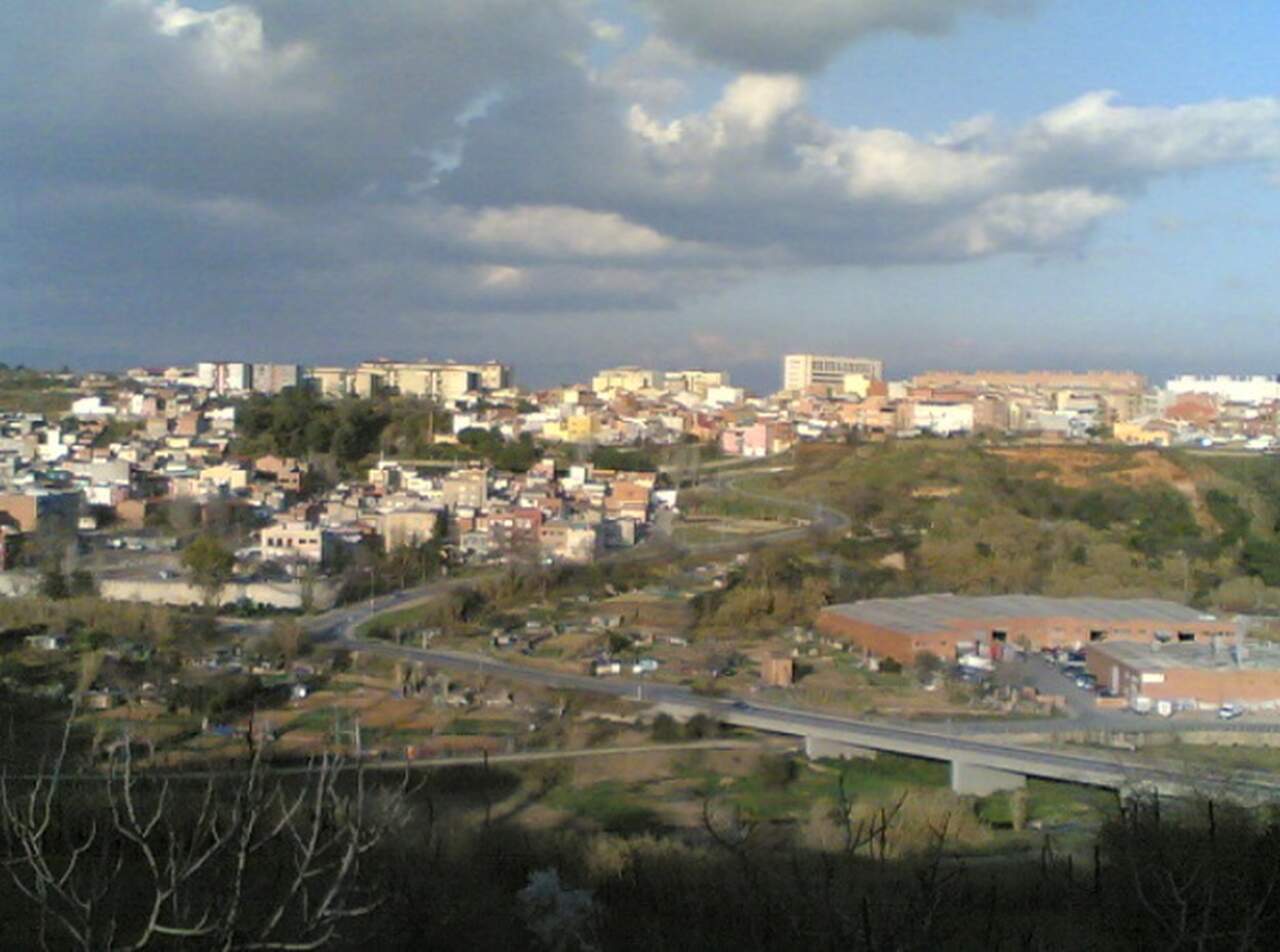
{"x": 1258, "y": 655}
{"x": 921, "y": 614}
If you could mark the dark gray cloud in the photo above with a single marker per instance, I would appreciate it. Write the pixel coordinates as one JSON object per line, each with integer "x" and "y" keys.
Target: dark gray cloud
{"x": 801, "y": 36}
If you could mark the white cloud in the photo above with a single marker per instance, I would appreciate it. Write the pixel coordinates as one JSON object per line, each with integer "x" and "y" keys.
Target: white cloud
{"x": 887, "y": 164}
{"x": 823, "y": 193}
{"x": 227, "y": 38}
{"x": 1041, "y": 220}
{"x": 1105, "y": 137}
{"x": 564, "y": 232}
{"x": 759, "y": 101}
{"x": 607, "y": 32}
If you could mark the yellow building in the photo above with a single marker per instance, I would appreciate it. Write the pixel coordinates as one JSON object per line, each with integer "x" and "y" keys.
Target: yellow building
{"x": 1144, "y": 431}
{"x": 581, "y": 428}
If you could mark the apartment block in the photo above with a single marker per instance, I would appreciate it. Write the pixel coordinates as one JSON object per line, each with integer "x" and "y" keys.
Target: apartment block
{"x": 624, "y": 378}
{"x": 802, "y": 371}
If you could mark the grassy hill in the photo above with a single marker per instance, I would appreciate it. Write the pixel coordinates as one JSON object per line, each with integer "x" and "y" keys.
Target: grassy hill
{"x": 970, "y": 517}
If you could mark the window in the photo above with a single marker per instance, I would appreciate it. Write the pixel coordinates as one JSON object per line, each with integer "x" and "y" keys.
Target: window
{"x": 1097, "y": 635}
{"x": 1186, "y": 636}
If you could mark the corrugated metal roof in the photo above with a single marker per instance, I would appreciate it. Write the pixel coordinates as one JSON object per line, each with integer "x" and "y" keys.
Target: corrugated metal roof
{"x": 920, "y": 614}
{"x": 1259, "y": 656}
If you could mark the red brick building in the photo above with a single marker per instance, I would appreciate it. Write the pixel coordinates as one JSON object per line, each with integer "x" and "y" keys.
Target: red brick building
{"x": 950, "y": 625}
{"x": 1208, "y": 674}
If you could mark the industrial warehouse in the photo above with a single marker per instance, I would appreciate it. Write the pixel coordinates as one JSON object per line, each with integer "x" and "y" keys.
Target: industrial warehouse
{"x": 1207, "y": 674}
{"x": 952, "y": 625}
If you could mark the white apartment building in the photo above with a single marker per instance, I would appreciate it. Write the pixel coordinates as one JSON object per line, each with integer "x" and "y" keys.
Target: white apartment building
{"x": 294, "y": 539}
{"x": 224, "y": 377}
{"x": 1252, "y": 389}
{"x": 424, "y": 378}
{"x": 942, "y": 419}
{"x": 694, "y": 381}
{"x": 272, "y": 378}
{"x": 623, "y": 378}
{"x": 801, "y": 371}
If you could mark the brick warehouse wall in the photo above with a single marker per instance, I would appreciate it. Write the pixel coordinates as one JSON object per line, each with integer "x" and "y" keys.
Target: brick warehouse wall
{"x": 1060, "y": 632}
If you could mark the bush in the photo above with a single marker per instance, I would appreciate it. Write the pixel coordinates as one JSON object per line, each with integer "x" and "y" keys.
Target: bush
{"x": 928, "y": 665}
{"x": 701, "y": 727}
{"x": 890, "y": 666}
{"x": 665, "y": 729}
{"x": 777, "y": 770}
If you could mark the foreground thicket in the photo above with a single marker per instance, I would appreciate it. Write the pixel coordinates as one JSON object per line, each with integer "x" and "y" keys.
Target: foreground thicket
{"x": 246, "y": 859}
{"x": 450, "y": 864}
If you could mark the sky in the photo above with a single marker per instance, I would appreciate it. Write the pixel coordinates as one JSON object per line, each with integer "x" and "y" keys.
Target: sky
{"x": 569, "y": 184}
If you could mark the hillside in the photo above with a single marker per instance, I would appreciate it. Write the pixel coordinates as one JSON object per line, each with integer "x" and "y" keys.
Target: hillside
{"x": 965, "y": 516}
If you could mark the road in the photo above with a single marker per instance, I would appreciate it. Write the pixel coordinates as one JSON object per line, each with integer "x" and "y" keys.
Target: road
{"x": 962, "y": 741}
{"x": 937, "y": 742}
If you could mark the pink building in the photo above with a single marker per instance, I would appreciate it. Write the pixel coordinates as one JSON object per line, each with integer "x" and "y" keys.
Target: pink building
{"x": 758, "y": 439}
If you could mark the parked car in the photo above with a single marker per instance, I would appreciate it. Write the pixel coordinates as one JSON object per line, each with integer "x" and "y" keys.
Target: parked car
{"x": 1230, "y": 711}
{"x": 1086, "y": 681}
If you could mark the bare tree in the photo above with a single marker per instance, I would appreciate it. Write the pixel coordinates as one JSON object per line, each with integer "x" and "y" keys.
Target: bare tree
{"x": 257, "y": 859}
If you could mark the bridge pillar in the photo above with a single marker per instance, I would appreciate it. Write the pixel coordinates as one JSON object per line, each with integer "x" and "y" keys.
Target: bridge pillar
{"x": 818, "y": 747}
{"x": 975, "y": 780}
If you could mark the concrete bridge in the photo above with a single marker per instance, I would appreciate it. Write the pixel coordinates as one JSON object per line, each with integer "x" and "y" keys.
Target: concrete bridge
{"x": 980, "y": 767}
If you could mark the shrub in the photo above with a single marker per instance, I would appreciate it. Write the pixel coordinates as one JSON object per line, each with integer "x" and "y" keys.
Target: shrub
{"x": 701, "y": 727}
{"x": 777, "y": 770}
{"x": 665, "y": 729}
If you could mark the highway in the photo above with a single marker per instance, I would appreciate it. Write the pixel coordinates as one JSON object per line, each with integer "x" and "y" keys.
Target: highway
{"x": 935, "y": 742}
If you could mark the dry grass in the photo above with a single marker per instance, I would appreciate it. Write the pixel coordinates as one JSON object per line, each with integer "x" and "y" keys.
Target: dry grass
{"x": 1077, "y": 468}
{"x": 921, "y": 820}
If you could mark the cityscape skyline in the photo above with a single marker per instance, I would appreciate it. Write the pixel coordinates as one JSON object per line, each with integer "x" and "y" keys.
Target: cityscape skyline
{"x": 576, "y": 184}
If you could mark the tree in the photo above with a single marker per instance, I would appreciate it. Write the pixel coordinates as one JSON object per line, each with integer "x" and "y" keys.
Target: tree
{"x": 53, "y": 582}
{"x": 1232, "y": 518}
{"x": 210, "y": 564}
{"x": 665, "y": 729}
{"x": 927, "y": 666}
{"x": 289, "y": 638}
{"x": 81, "y": 584}
{"x": 244, "y": 861}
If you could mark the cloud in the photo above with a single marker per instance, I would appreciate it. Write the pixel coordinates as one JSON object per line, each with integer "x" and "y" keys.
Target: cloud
{"x": 261, "y": 173}
{"x": 758, "y": 173}
{"x": 803, "y": 35}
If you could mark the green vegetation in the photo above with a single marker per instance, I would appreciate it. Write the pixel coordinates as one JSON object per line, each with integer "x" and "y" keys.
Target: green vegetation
{"x": 23, "y": 390}
{"x": 477, "y": 726}
{"x": 967, "y": 517}
{"x": 486, "y": 597}
{"x": 628, "y": 460}
{"x": 299, "y": 423}
{"x": 210, "y": 564}
{"x": 777, "y": 586}
{"x": 610, "y": 804}
{"x": 158, "y": 624}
